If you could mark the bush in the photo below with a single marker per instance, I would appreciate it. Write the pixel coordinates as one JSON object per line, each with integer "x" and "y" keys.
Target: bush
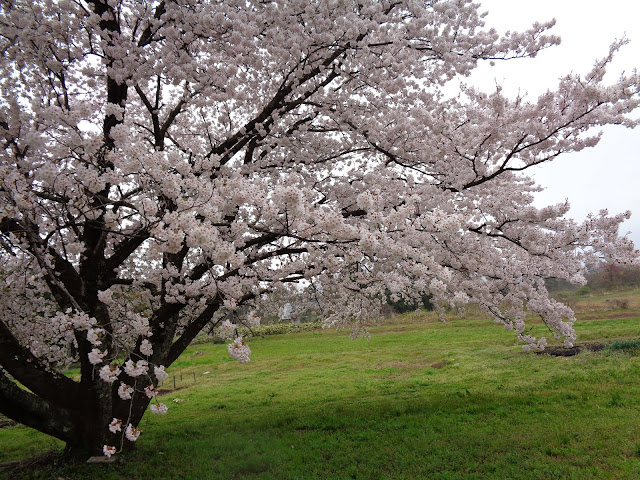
{"x": 404, "y": 305}
{"x": 624, "y": 345}
{"x": 279, "y": 328}
{"x": 619, "y": 303}
{"x": 262, "y": 330}
{"x": 584, "y": 291}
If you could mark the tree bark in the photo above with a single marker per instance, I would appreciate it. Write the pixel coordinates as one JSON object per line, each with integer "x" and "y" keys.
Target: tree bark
{"x": 84, "y": 429}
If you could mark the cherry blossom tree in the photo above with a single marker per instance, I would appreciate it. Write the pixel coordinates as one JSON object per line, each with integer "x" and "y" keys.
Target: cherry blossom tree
{"x": 164, "y": 162}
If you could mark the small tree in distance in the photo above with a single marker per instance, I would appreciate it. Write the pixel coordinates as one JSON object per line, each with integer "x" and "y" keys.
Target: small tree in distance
{"x": 164, "y": 162}
{"x": 607, "y": 276}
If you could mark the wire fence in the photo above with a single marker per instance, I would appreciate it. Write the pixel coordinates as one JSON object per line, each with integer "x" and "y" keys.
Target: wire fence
{"x": 179, "y": 379}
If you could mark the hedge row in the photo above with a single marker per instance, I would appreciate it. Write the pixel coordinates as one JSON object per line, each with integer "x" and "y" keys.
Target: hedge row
{"x": 263, "y": 330}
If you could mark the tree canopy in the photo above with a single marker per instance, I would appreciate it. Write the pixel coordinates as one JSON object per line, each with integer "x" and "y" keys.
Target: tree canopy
{"x": 165, "y": 162}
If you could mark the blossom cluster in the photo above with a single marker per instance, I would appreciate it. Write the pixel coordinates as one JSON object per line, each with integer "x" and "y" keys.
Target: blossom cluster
{"x": 239, "y": 350}
{"x": 226, "y": 329}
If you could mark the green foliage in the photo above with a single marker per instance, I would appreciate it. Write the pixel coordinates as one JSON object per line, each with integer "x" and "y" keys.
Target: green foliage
{"x": 403, "y": 304}
{"x": 263, "y": 330}
{"x": 624, "y": 345}
{"x": 584, "y": 291}
{"x": 279, "y": 329}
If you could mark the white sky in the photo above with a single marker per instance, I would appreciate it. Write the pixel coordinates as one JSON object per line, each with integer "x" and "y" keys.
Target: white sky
{"x": 608, "y": 175}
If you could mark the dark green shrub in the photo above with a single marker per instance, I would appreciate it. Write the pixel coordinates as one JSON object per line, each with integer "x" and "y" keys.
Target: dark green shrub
{"x": 404, "y": 305}
{"x": 624, "y": 345}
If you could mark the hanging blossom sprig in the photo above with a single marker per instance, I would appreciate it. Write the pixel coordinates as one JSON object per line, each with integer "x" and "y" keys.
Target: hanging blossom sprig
{"x": 239, "y": 350}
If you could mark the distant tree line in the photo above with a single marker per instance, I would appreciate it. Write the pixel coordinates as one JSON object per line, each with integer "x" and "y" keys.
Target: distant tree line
{"x": 604, "y": 276}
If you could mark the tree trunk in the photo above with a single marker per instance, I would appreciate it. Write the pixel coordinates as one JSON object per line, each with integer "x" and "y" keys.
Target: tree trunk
{"x": 88, "y": 440}
{"x": 83, "y": 428}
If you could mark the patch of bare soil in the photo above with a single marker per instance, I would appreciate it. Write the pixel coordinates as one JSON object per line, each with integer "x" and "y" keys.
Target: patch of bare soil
{"x": 570, "y": 352}
{"x": 164, "y": 391}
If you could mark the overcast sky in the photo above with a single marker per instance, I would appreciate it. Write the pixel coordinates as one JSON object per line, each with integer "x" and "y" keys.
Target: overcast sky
{"x": 608, "y": 175}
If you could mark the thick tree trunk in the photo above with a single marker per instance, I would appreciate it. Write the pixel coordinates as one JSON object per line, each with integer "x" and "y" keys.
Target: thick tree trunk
{"x": 87, "y": 441}
{"x": 84, "y": 429}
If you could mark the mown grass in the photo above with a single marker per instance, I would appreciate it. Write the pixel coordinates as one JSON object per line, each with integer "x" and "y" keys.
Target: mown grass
{"x": 421, "y": 399}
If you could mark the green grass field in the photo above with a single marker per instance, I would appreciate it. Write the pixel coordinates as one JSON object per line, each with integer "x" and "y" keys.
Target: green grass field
{"x": 421, "y": 399}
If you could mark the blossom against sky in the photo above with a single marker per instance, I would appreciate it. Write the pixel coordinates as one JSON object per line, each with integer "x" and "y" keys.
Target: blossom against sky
{"x": 608, "y": 175}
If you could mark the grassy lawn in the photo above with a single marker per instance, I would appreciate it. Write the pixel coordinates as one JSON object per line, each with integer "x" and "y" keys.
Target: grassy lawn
{"x": 421, "y": 399}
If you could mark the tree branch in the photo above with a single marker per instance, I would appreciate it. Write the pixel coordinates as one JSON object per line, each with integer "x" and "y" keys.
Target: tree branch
{"x": 32, "y": 411}
{"x": 33, "y": 374}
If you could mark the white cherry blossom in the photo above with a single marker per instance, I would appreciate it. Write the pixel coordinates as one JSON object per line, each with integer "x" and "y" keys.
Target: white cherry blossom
{"x": 96, "y": 356}
{"x": 146, "y": 348}
{"x": 135, "y": 369}
{"x": 150, "y": 392}
{"x": 159, "y": 409}
{"x": 109, "y": 373}
{"x": 132, "y": 433}
{"x": 115, "y": 425}
{"x": 239, "y": 350}
{"x": 108, "y": 450}
{"x": 159, "y": 373}
{"x": 125, "y": 392}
